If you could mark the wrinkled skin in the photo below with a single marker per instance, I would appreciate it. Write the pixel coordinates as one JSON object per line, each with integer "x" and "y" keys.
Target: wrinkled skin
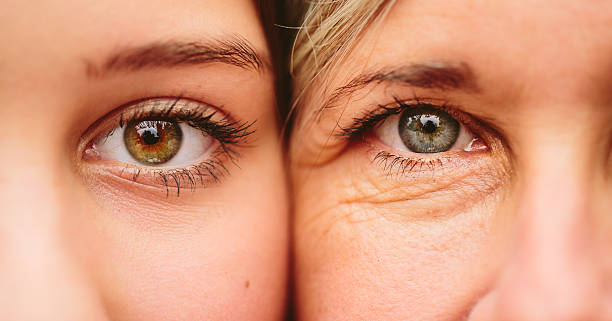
{"x": 519, "y": 231}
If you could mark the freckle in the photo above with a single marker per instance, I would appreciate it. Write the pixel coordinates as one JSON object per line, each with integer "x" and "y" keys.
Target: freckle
{"x": 247, "y": 284}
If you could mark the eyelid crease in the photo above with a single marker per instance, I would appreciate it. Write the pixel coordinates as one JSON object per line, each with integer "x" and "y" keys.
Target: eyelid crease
{"x": 211, "y": 119}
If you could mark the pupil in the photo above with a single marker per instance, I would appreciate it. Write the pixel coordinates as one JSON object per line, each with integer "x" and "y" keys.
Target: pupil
{"x": 429, "y": 124}
{"x": 150, "y": 137}
{"x": 429, "y": 127}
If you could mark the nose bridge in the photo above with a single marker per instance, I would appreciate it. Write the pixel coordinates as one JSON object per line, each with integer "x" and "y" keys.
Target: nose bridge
{"x": 553, "y": 273}
{"x": 554, "y": 210}
{"x": 40, "y": 277}
{"x": 556, "y": 225}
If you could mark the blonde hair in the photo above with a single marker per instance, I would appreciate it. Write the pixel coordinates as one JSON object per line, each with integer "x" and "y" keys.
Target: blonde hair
{"x": 328, "y": 32}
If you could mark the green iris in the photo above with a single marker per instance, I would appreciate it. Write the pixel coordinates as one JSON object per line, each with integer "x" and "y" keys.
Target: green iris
{"x": 153, "y": 142}
{"x": 426, "y": 129}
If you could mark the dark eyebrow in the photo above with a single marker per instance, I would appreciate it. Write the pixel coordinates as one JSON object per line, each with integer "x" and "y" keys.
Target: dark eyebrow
{"x": 235, "y": 51}
{"x": 427, "y": 75}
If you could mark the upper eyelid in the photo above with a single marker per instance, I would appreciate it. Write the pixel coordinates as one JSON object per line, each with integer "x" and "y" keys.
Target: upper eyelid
{"x": 358, "y": 124}
{"x": 128, "y": 111}
{"x": 480, "y": 128}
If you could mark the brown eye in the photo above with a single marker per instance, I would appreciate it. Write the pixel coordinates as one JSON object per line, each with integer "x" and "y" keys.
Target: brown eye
{"x": 153, "y": 142}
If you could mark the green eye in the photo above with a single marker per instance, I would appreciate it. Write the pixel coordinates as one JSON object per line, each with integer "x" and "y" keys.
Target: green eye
{"x": 152, "y": 142}
{"x": 425, "y": 129}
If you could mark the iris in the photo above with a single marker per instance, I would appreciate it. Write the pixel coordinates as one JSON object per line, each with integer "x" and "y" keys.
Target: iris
{"x": 425, "y": 129}
{"x": 153, "y": 142}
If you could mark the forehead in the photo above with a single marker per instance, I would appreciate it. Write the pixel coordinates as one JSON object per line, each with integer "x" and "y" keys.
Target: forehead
{"x": 529, "y": 46}
{"x": 498, "y": 32}
{"x": 532, "y": 24}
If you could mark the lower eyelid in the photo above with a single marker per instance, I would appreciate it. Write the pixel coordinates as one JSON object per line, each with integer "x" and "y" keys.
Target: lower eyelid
{"x": 398, "y": 164}
{"x": 167, "y": 180}
{"x": 395, "y": 164}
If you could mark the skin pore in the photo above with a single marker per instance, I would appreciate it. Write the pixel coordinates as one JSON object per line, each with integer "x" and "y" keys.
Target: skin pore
{"x": 90, "y": 233}
{"x": 512, "y": 222}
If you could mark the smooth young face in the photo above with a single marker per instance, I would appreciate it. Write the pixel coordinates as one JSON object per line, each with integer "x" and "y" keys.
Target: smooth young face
{"x": 141, "y": 174}
{"x": 464, "y": 170}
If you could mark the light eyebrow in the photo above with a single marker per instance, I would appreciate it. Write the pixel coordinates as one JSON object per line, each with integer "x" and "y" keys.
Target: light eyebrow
{"x": 426, "y": 75}
{"x": 234, "y": 51}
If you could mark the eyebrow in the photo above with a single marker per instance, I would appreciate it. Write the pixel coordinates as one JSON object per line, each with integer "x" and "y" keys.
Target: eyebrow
{"x": 432, "y": 75}
{"x": 234, "y": 51}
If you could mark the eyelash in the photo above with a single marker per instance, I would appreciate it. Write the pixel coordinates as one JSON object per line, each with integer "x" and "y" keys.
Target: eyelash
{"x": 229, "y": 133}
{"x": 393, "y": 164}
{"x": 361, "y": 125}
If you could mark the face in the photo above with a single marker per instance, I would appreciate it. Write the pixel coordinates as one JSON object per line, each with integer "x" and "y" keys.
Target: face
{"x": 457, "y": 166}
{"x": 141, "y": 170}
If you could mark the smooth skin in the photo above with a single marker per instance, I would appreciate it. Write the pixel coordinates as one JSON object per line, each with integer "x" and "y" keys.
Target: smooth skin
{"x": 82, "y": 244}
{"x": 521, "y": 231}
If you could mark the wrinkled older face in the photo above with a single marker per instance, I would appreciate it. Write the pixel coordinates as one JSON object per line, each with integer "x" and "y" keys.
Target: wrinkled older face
{"x": 457, "y": 165}
{"x": 141, "y": 173}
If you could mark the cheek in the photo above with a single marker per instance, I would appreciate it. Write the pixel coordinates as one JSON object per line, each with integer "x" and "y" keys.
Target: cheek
{"x": 224, "y": 268}
{"x": 384, "y": 269}
{"x": 369, "y": 255}
{"x": 217, "y": 253}
{"x": 214, "y": 273}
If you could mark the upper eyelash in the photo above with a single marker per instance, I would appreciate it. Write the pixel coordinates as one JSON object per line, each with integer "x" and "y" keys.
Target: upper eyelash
{"x": 226, "y": 131}
{"x": 371, "y": 119}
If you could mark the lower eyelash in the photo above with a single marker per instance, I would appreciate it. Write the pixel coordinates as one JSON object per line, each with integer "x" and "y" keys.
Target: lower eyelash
{"x": 397, "y": 165}
{"x": 209, "y": 171}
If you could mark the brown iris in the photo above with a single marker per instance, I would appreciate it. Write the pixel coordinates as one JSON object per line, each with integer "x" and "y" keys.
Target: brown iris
{"x": 152, "y": 142}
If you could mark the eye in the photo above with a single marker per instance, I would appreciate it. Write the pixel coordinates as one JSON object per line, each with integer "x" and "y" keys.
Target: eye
{"x": 167, "y": 141}
{"x": 425, "y": 129}
{"x": 155, "y": 142}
